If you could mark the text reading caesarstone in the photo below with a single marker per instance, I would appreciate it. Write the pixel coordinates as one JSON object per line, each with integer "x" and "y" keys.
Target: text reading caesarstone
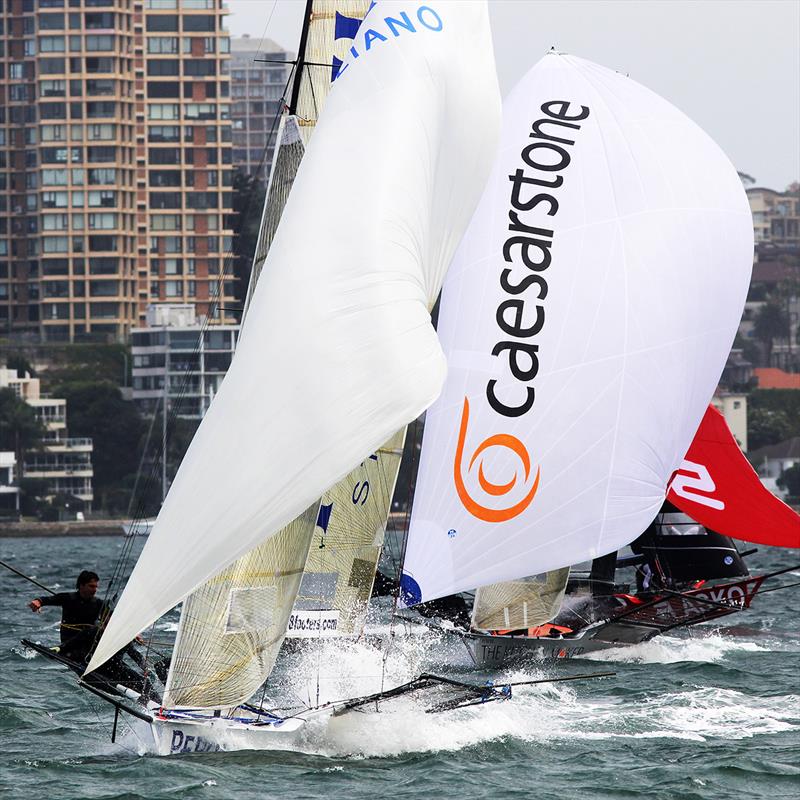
{"x": 531, "y": 186}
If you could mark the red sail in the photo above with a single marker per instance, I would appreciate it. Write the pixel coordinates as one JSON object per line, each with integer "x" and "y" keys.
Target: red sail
{"x": 716, "y": 486}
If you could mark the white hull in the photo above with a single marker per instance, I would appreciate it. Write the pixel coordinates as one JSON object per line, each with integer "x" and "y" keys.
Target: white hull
{"x": 206, "y": 735}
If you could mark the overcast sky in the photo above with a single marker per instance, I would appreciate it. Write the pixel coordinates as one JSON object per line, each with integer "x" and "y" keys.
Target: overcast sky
{"x": 732, "y": 65}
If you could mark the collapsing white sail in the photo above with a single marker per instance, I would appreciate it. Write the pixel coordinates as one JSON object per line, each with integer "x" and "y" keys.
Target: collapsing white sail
{"x": 337, "y": 351}
{"x": 330, "y": 31}
{"x": 340, "y": 569}
{"x": 214, "y": 666}
{"x": 524, "y": 603}
{"x": 586, "y": 320}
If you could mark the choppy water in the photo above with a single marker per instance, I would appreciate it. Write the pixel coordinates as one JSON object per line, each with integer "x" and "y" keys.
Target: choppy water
{"x": 712, "y": 715}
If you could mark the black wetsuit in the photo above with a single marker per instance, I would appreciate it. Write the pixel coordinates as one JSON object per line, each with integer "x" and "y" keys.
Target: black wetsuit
{"x": 78, "y": 620}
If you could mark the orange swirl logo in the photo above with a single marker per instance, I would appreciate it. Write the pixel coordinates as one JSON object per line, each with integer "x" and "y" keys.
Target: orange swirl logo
{"x": 494, "y": 489}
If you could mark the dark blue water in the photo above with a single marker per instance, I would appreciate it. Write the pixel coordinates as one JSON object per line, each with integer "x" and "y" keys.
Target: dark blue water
{"x": 711, "y": 715}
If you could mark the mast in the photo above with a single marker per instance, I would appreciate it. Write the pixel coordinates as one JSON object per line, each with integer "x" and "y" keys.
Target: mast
{"x": 301, "y": 57}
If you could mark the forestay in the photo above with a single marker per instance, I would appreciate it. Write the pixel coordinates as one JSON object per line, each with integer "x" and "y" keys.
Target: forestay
{"x": 586, "y": 321}
{"x": 337, "y": 351}
{"x": 524, "y": 603}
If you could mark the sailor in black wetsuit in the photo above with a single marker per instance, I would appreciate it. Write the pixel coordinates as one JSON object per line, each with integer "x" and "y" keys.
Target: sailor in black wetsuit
{"x": 80, "y": 611}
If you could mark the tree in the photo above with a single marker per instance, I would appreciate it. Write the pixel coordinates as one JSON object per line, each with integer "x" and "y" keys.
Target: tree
{"x": 772, "y": 322}
{"x": 96, "y": 409}
{"x": 790, "y": 480}
{"x": 765, "y": 426}
{"x": 20, "y": 363}
{"x": 248, "y": 201}
{"x": 20, "y": 430}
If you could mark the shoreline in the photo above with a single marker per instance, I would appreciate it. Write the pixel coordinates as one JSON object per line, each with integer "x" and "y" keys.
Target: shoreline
{"x": 20, "y": 530}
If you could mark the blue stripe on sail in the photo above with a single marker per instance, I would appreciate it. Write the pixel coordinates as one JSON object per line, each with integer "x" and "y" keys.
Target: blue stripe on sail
{"x": 324, "y": 517}
{"x": 345, "y": 27}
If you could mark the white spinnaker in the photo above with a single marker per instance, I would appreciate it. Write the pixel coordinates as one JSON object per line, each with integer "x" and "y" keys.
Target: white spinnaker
{"x": 639, "y": 268}
{"x": 337, "y": 352}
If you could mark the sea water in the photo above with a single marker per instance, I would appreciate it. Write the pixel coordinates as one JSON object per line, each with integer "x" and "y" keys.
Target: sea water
{"x": 710, "y": 713}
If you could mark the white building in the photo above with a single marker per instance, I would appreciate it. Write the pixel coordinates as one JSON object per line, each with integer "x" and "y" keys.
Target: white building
{"x": 175, "y": 356}
{"x": 9, "y": 488}
{"x": 733, "y": 407}
{"x": 64, "y": 462}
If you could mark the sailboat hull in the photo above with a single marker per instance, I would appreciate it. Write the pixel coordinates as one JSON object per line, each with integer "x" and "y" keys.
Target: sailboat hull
{"x": 494, "y": 651}
{"x": 212, "y": 735}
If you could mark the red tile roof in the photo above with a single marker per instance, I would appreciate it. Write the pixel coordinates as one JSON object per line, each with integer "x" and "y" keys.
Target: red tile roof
{"x": 773, "y": 378}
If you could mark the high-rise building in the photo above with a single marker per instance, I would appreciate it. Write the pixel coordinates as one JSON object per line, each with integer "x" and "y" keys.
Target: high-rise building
{"x": 115, "y": 163}
{"x": 259, "y": 73}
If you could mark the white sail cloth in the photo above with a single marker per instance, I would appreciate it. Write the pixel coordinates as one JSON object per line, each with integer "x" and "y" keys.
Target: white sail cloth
{"x": 586, "y": 320}
{"x": 337, "y": 351}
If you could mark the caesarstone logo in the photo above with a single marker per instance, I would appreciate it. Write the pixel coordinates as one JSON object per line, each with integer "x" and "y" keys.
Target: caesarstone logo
{"x": 497, "y": 511}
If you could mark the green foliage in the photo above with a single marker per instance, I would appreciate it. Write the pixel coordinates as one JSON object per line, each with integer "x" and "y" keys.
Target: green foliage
{"x": 773, "y": 415}
{"x": 32, "y": 493}
{"x": 790, "y": 480}
{"x": 19, "y": 429}
{"x": 766, "y": 427}
{"x": 772, "y": 322}
{"x": 89, "y": 362}
{"x": 20, "y": 363}
{"x": 248, "y": 202}
{"x": 96, "y": 409}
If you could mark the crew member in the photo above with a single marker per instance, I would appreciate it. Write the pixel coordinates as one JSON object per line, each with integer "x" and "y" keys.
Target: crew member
{"x": 80, "y": 611}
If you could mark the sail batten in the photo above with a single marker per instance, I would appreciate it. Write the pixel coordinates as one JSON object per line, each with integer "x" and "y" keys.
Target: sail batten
{"x": 337, "y": 352}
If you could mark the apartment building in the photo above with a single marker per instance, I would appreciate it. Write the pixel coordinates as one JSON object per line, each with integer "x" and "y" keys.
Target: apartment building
{"x": 64, "y": 462}
{"x": 178, "y": 359}
{"x": 258, "y": 83}
{"x": 776, "y": 217}
{"x": 115, "y": 163}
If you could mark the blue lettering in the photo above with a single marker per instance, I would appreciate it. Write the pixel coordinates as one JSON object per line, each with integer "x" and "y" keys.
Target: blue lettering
{"x": 436, "y": 17}
{"x": 406, "y": 23}
{"x": 177, "y": 741}
{"x": 186, "y": 742}
{"x": 353, "y": 52}
{"x": 370, "y": 36}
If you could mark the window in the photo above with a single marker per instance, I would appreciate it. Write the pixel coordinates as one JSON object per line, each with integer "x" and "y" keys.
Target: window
{"x": 100, "y": 175}
{"x": 99, "y": 243}
{"x": 173, "y": 288}
{"x": 165, "y": 177}
{"x": 165, "y": 200}
{"x": 199, "y": 67}
{"x": 54, "y": 222}
{"x": 51, "y": 44}
{"x": 102, "y": 198}
{"x": 164, "y": 155}
{"x": 50, "y": 22}
{"x": 173, "y": 266}
{"x": 162, "y": 22}
{"x": 99, "y": 41}
{"x": 164, "y": 45}
{"x": 163, "y": 133}
{"x": 101, "y": 131}
{"x": 101, "y": 108}
{"x": 199, "y": 22}
{"x": 163, "y": 111}
{"x": 51, "y": 66}
{"x": 165, "y": 222}
{"x": 55, "y": 244}
{"x": 102, "y": 221}
{"x": 52, "y": 110}
{"x": 103, "y": 265}
{"x": 53, "y": 89}
{"x": 77, "y": 177}
{"x": 156, "y": 89}
{"x": 162, "y": 66}
{"x": 103, "y": 288}
{"x": 102, "y": 20}
{"x": 103, "y": 310}
{"x": 162, "y": 4}
{"x": 100, "y": 86}
{"x": 99, "y": 64}
{"x": 102, "y": 153}
{"x": 54, "y": 133}
{"x": 54, "y": 177}
{"x": 200, "y": 111}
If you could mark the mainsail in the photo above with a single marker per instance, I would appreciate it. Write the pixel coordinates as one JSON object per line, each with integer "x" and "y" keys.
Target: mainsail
{"x": 523, "y": 603}
{"x": 344, "y": 553}
{"x": 716, "y": 485}
{"x": 212, "y": 666}
{"x": 337, "y": 352}
{"x": 586, "y": 320}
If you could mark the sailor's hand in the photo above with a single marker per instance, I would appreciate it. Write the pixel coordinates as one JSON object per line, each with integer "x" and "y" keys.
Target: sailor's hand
{"x": 35, "y": 605}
